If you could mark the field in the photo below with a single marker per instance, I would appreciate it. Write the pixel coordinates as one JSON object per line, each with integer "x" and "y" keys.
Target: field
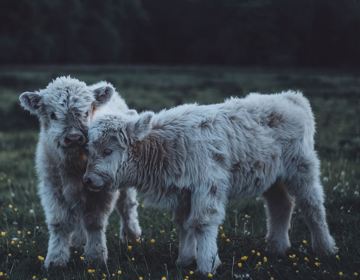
{"x": 335, "y": 97}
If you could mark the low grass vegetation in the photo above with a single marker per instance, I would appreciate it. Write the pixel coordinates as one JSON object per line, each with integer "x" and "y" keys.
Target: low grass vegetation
{"x": 335, "y": 98}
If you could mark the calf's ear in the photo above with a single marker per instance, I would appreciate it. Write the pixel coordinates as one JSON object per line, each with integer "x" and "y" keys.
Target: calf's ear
{"x": 102, "y": 92}
{"x": 143, "y": 125}
{"x": 30, "y": 101}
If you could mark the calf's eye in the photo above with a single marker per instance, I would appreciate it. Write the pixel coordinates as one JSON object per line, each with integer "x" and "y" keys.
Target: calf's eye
{"x": 107, "y": 152}
{"x": 53, "y": 116}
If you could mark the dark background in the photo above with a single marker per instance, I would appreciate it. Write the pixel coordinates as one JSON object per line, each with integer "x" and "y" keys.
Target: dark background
{"x": 306, "y": 33}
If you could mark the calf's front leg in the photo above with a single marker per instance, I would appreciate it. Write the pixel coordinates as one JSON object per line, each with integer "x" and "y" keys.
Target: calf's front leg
{"x": 95, "y": 218}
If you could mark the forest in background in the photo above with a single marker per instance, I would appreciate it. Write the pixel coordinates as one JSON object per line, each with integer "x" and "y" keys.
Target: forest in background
{"x": 307, "y": 33}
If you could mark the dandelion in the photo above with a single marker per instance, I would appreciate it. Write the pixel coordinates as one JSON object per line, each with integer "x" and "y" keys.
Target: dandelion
{"x": 341, "y": 273}
{"x": 317, "y": 264}
{"x": 265, "y": 259}
{"x": 305, "y": 242}
{"x": 253, "y": 252}
{"x": 227, "y": 240}
{"x": 3, "y": 233}
{"x": 163, "y": 278}
{"x": 223, "y": 235}
{"x": 141, "y": 278}
{"x": 129, "y": 248}
{"x": 356, "y": 274}
{"x": 34, "y": 277}
{"x": 91, "y": 270}
{"x": 191, "y": 272}
{"x": 82, "y": 258}
{"x": 41, "y": 258}
{"x": 306, "y": 259}
{"x": 210, "y": 275}
{"x": 1, "y": 273}
{"x": 10, "y": 206}
{"x": 258, "y": 254}
{"x": 152, "y": 241}
{"x": 240, "y": 265}
{"x": 119, "y": 272}
{"x": 337, "y": 257}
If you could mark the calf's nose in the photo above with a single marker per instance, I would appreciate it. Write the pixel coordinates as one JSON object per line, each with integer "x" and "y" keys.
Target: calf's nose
{"x": 74, "y": 138}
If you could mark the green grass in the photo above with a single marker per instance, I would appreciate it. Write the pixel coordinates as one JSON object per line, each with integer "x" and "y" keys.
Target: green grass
{"x": 335, "y": 98}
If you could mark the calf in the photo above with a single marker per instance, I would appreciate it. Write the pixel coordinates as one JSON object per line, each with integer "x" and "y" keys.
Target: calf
{"x": 75, "y": 215}
{"x": 191, "y": 159}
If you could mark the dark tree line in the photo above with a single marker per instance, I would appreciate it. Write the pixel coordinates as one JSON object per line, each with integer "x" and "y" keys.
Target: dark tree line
{"x": 232, "y": 32}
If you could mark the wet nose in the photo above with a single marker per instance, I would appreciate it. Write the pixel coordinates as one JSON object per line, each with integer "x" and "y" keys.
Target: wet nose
{"x": 87, "y": 180}
{"x": 74, "y": 138}
{"x": 92, "y": 184}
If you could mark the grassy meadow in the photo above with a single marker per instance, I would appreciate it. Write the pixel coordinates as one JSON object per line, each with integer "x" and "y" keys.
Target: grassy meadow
{"x": 335, "y": 97}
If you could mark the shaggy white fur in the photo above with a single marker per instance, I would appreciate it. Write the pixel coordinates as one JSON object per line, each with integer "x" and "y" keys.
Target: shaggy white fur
{"x": 75, "y": 215}
{"x": 191, "y": 159}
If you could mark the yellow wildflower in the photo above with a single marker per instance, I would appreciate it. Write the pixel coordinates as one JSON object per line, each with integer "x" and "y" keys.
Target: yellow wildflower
{"x": 141, "y": 278}
{"x": 356, "y": 274}
{"x": 317, "y": 264}
{"x": 3, "y": 233}
{"x": 191, "y": 272}
{"x": 130, "y": 248}
{"x": 91, "y": 270}
{"x": 163, "y": 278}
{"x": 337, "y": 257}
{"x": 240, "y": 265}
{"x": 265, "y": 259}
{"x": 119, "y": 272}
{"x": 341, "y": 273}
{"x": 244, "y": 258}
{"x": 306, "y": 259}
{"x": 41, "y": 258}
{"x": 305, "y": 242}
{"x": 210, "y": 275}
{"x": 152, "y": 241}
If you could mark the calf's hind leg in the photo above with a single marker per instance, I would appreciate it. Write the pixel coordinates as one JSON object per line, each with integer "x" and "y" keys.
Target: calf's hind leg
{"x": 308, "y": 191}
{"x": 278, "y": 207}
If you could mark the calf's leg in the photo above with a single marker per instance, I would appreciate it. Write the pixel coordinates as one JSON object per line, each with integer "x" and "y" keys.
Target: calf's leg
{"x": 278, "y": 207}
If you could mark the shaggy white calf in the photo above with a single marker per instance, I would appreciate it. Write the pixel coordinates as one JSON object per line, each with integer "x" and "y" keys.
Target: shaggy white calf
{"x": 74, "y": 214}
{"x": 192, "y": 158}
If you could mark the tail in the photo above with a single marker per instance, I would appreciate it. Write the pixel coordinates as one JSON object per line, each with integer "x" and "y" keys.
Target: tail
{"x": 297, "y": 98}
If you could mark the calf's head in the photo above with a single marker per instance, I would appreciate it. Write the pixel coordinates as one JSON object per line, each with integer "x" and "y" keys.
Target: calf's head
{"x": 111, "y": 142}
{"x": 64, "y": 109}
